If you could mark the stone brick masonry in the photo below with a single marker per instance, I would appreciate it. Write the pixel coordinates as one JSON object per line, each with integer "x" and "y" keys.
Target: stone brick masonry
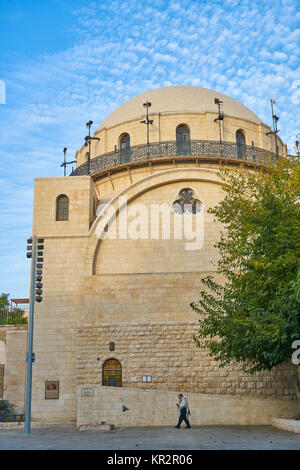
{"x": 166, "y": 351}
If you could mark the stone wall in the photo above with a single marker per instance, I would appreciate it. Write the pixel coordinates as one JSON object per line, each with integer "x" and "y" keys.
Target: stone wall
{"x": 14, "y": 371}
{"x": 158, "y": 408}
{"x": 166, "y": 352}
{"x": 146, "y": 314}
{"x": 175, "y": 247}
{"x": 2, "y": 358}
{"x": 2, "y": 344}
{"x": 2, "y": 367}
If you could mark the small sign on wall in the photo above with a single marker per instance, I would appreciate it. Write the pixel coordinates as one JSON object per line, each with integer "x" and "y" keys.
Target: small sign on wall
{"x": 133, "y": 379}
{"x": 147, "y": 378}
{"x": 51, "y": 389}
{"x": 87, "y": 392}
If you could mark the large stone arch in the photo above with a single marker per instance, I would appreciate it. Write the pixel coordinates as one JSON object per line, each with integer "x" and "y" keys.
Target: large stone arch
{"x": 132, "y": 192}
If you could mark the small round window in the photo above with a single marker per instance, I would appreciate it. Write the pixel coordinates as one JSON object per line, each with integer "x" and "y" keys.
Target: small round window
{"x": 186, "y": 202}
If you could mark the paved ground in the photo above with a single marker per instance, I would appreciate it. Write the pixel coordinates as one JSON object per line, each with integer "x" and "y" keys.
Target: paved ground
{"x": 153, "y": 438}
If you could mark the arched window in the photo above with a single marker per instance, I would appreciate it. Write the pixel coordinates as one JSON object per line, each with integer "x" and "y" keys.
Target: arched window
{"x": 186, "y": 202}
{"x": 240, "y": 143}
{"x": 112, "y": 373}
{"x": 183, "y": 140}
{"x": 62, "y": 207}
{"x": 125, "y": 148}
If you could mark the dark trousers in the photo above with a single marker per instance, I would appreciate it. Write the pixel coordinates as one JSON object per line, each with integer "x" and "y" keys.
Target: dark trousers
{"x": 182, "y": 417}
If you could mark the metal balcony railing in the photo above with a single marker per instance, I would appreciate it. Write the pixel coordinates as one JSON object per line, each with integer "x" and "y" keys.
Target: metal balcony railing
{"x": 16, "y": 316}
{"x": 170, "y": 150}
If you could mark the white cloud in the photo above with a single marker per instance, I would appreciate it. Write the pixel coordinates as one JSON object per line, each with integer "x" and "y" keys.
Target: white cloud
{"x": 280, "y": 55}
{"x": 158, "y": 57}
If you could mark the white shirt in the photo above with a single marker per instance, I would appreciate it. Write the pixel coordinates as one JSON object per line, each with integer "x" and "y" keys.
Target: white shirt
{"x": 182, "y": 403}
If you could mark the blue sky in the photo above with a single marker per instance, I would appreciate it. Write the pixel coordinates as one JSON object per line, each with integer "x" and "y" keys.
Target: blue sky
{"x": 65, "y": 62}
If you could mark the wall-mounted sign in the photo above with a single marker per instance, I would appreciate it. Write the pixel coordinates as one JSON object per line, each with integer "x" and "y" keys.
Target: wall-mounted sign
{"x": 147, "y": 378}
{"x": 133, "y": 379}
{"x": 87, "y": 392}
{"x": 51, "y": 389}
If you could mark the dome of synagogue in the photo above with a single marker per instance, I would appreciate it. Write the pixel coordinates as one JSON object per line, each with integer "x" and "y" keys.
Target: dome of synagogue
{"x": 178, "y": 99}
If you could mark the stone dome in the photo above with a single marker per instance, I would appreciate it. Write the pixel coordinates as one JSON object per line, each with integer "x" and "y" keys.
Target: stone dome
{"x": 178, "y": 99}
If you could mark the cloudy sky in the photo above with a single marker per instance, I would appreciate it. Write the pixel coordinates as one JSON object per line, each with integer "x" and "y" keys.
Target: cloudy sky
{"x": 64, "y": 62}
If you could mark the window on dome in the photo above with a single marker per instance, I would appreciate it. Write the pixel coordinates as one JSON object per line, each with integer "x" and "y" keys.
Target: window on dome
{"x": 112, "y": 373}
{"x": 125, "y": 148}
{"x": 183, "y": 140}
{"x": 186, "y": 202}
{"x": 62, "y": 207}
{"x": 240, "y": 143}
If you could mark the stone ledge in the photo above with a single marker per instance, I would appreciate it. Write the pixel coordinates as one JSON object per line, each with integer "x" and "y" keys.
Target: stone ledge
{"x": 38, "y": 424}
{"x": 292, "y": 425}
{"x": 12, "y": 425}
{"x": 96, "y": 427}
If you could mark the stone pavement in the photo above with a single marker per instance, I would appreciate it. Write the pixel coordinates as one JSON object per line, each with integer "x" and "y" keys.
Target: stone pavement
{"x": 152, "y": 438}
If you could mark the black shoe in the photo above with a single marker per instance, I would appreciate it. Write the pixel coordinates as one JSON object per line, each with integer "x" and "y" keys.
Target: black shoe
{"x": 177, "y": 427}
{"x": 188, "y": 427}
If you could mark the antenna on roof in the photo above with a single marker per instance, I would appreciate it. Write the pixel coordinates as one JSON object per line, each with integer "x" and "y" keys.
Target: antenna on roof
{"x": 88, "y": 139}
{"x": 148, "y": 122}
{"x": 220, "y": 116}
{"x": 65, "y": 163}
{"x": 275, "y": 130}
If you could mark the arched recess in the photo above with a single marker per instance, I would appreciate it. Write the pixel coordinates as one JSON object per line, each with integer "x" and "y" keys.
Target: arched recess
{"x": 130, "y": 193}
{"x": 62, "y": 208}
{"x": 112, "y": 373}
{"x": 240, "y": 143}
{"x": 124, "y": 145}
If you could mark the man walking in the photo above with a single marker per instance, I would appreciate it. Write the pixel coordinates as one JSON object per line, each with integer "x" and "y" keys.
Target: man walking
{"x": 184, "y": 411}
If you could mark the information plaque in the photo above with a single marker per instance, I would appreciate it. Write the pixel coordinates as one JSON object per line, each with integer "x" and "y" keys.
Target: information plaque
{"x": 51, "y": 389}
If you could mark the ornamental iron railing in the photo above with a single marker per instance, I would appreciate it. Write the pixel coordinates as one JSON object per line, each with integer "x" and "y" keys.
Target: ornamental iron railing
{"x": 172, "y": 149}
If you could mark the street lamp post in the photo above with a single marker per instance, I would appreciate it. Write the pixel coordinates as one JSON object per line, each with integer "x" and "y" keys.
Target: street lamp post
{"x": 88, "y": 139}
{"x": 275, "y": 130}
{"x": 35, "y": 252}
{"x": 220, "y": 116}
{"x": 65, "y": 163}
{"x": 148, "y": 122}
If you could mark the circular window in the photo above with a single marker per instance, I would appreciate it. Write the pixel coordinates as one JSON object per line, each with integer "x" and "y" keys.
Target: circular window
{"x": 186, "y": 202}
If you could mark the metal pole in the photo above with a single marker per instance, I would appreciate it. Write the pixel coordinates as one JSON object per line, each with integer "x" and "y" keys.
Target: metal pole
{"x": 275, "y": 130}
{"x": 219, "y": 106}
{"x": 65, "y": 150}
{"x": 30, "y": 340}
{"x": 148, "y": 126}
{"x": 273, "y": 120}
{"x": 89, "y": 159}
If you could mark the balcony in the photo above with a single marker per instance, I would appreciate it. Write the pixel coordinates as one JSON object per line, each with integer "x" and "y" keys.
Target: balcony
{"x": 191, "y": 152}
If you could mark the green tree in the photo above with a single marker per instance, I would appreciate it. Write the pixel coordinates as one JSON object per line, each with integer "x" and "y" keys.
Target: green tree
{"x": 4, "y": 302}
{"x": 13, "y": 316}
{"x": 253, "y": 317}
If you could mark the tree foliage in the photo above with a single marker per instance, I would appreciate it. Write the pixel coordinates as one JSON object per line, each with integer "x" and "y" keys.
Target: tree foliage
{"x": 254, "y": 316}
{"x": 9, "y": 316}
{"x": 4, "y": 300}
